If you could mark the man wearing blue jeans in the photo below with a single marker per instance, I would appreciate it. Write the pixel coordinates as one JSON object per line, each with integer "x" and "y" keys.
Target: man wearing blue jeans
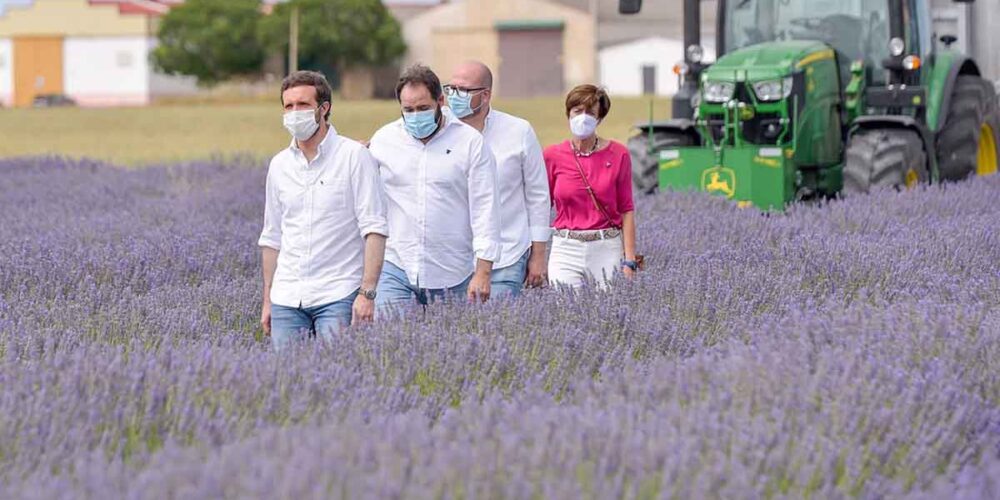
{"x": 522, "y": 182}
{"x": 325, "y": 223}
{"x": 439, "y": 181}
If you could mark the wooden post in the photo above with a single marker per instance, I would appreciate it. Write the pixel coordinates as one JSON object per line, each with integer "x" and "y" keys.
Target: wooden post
{"x": 293, "y": 40}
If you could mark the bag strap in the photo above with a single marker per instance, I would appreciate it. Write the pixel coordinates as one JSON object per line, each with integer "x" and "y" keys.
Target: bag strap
{"x": 590, "y": 190}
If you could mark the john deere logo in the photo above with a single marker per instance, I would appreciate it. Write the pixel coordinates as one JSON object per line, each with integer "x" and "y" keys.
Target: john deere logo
{"x": 719, "y": 180}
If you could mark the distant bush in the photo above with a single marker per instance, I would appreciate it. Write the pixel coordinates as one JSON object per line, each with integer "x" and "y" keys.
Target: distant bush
{"x": 211, "y": 40}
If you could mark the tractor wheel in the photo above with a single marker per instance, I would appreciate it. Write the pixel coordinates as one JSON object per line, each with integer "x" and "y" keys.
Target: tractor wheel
{"x": 881, "y": 158}
{"x": 645, "y": 150}
{"x": 967, "y": 143}
{"x": 993, "y": 123}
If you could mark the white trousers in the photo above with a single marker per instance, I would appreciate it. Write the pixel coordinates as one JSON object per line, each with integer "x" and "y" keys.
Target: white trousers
{"x": 572, "y": 261}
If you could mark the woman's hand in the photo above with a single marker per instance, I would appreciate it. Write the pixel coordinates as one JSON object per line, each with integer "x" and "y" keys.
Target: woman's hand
{"x": 628, "y": 272}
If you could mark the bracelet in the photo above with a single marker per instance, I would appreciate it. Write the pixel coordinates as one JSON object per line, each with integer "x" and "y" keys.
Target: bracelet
{"x": 631, "y": 264}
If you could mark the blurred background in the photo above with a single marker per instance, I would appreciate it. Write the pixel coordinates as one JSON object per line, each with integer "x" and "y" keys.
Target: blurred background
{"x": 145, "y": 80}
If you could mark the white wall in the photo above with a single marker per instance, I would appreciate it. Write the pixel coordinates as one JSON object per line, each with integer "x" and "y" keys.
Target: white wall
{"x": 107, "y": 71}
{"x": 164, "y": 85}
{"x": 6, "y": 72}
{"x": 621, "y": 65}
{"x": 986, "y": 17}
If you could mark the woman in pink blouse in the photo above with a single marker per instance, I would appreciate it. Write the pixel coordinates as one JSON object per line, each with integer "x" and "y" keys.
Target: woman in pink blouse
{"x": 591, "y": 187}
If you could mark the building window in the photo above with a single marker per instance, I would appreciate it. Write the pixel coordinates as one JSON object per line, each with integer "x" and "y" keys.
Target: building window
{"x": 3, "y": 61}
{"x": 124, "y": 59}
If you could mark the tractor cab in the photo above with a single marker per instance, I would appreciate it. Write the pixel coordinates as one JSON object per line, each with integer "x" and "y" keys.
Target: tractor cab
{"x": 855, "y": 29}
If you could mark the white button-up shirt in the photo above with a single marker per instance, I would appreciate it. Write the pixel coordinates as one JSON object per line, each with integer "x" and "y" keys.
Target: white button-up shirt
{"x": 442, "y": 202}
{"x": 522, "y": 183}
{"x": 316, "y": 214}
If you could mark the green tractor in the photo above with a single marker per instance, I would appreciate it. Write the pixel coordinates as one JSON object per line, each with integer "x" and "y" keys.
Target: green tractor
{"x": 812, "y": 98}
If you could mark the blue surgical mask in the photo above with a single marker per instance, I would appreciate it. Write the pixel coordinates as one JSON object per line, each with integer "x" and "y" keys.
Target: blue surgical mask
{"x": 421, "y": 124}
{"x": 462, "y": 106}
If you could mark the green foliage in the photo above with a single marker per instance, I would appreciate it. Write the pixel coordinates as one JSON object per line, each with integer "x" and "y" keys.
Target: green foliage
{"x": 212, "y": 40}
{"x": 337, "y": 33}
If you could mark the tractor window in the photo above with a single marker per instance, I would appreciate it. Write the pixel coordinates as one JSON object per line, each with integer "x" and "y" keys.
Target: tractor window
{"x": 857, "y": 29}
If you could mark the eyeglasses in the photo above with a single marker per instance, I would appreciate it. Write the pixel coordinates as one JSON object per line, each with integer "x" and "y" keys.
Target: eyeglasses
{"x": 461, "y": 92}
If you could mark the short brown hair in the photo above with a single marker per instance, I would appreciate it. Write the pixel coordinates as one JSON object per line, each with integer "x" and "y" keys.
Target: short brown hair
{"x": 420, "y": 75}
{"x": 587, "y": 95}
{"x": 309, "y": 78}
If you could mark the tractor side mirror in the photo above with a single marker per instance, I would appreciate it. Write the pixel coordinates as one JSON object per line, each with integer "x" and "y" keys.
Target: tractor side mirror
{"x": 628, "y": 7}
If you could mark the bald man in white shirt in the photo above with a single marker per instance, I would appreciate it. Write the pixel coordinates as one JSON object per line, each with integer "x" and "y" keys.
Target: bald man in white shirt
{"x": 522, "y": 182}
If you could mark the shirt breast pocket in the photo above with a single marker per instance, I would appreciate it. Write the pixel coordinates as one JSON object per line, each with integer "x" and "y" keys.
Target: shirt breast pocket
{"x": 447, "y": 177}
{"x": 331, "y": 198}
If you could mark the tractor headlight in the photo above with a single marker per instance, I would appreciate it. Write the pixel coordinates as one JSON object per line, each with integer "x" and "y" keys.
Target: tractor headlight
{"x": 896, "y": 46}
{"x": 719, "y": 92}
{"x": 773, "y": 90}
{"x": 695, "y": 53}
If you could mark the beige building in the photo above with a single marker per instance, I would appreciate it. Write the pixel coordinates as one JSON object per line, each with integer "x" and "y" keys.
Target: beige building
{"x": 535, "y": 47}
{"x": 94, "y": 51}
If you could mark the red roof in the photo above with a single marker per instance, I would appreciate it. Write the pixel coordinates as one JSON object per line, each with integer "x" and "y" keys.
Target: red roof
{"x": 139, "y": 7}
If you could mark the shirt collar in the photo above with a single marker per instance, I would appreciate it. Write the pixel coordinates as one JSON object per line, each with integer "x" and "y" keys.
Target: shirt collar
{"x": 490, "y": 118}
{"x": 324, "y": 145}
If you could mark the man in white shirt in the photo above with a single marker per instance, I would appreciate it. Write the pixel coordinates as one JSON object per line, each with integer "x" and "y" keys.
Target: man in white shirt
{"x": 522, "y": 182}
{"x": 325, "y": 223}
{"x": 440, "y": 184}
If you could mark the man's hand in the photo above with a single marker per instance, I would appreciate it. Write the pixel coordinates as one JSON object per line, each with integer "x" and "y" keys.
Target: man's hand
{"x": 537, "y": 273}
{"x": 265, "y": 317}
{"x": 363, "y": 310}
{"x": 479, "y": 287}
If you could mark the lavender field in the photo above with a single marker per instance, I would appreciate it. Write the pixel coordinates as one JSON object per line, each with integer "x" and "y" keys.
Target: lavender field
{"x": 846, "y": 350}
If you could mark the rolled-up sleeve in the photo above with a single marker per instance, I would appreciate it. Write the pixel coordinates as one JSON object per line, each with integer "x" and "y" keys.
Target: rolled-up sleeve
{"x": 624, "y": 188}
{"x": 484, "y": 202}
{"x": 536, "y": 188}
{"x": 369, "y": 199}
{"x": 270, "y": 235}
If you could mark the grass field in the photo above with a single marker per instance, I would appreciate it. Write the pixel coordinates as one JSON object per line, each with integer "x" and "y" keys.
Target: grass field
{"x": 136, "y": 136}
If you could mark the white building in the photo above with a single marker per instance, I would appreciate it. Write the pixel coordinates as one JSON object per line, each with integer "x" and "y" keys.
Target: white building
{"x": 645, "y": 66}
{"x": 94, "y": 51}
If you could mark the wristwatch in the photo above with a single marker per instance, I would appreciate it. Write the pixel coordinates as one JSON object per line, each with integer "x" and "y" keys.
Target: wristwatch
{"x": 631, "y": 264}
{"x": 368, "y": 294}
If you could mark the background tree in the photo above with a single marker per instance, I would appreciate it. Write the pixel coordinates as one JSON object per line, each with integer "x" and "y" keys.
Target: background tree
{"x": 337, "y": 34}
{"x": 212, "y": 40}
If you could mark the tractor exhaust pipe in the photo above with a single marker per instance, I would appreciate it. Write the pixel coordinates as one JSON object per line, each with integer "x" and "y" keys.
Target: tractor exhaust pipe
{"x": 692, "y": 26}
{"x": 692, "y": 58}
{"x": 897, "y": 27}
{"x": 682, "y": 107}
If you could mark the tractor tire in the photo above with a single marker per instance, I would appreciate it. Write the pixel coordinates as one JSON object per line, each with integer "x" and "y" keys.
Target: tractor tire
{"x": 973, "y": 104}
{"x": 883, "y": 158}
{"x": 645, "y": 151}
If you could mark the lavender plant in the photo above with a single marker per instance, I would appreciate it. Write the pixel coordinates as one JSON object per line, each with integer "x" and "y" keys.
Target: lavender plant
{"x": 843, "y": 350}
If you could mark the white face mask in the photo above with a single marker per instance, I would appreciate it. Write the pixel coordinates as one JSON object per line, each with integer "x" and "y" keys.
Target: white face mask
{"x": 301, "y": 124}
{"x": 583, "y": 125}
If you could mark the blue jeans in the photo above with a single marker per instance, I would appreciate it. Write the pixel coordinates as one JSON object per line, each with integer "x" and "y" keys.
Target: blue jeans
{"x": 507, "y": 282}
{"x": 395, "y": 291}
{"x": 294, "y": 324}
